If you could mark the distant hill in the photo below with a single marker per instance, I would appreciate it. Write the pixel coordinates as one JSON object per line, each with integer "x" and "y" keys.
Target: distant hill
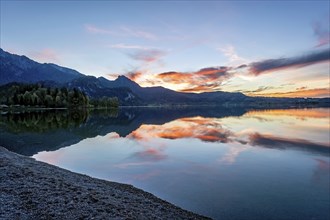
{"x": 15, "y": 68}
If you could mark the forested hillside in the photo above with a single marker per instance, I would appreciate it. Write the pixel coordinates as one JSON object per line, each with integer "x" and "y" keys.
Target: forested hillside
{"x": 37, "y": 95}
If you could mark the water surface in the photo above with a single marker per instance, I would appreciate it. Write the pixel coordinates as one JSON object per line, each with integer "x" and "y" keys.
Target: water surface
{"x": 226, "y": 164}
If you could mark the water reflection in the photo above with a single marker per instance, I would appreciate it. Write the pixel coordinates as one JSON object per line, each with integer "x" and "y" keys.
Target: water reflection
{"x": 224, "y": 163}
{"x": 297, "y": 113}
{"x": 216, "y": 130}
{"x": 43, "y": 121}
{"x": 205, "y": 129}
{"x": 270, "y": 141}
{"x": 28, "y": 133}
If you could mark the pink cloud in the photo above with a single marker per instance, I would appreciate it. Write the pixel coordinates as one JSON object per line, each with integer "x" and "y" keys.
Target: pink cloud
{"x": 95, "y": 30}
{"x": 45, "y": 55}
{"x": 147, "y": 56}
{"x": 139, "y": 33}
{"x": 128, "y": 46}
{"x": 230, "y": 52}
{"x": 121, "y": 32}
{"x": 322, "y": 33}
{"x": 141, "y": 53}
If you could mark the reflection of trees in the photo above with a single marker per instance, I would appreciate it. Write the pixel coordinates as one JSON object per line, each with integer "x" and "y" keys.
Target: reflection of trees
{"x": 105, "y": 112}
{"x": 30, "y": 132}
{"x": 43, "y": 121}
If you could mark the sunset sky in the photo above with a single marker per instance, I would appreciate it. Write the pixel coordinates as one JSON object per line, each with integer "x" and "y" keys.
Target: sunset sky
{"x": 273, "y": 48}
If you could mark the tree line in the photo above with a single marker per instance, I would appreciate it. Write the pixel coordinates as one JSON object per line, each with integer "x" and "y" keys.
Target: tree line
{"x": 37, "y": 95}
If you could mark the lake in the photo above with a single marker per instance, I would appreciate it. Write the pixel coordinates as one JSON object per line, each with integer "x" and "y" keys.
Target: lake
{"x": 223, "y": 163}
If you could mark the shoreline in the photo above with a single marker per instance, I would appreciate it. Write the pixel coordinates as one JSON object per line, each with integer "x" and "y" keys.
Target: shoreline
{"x": 32, "y": 189}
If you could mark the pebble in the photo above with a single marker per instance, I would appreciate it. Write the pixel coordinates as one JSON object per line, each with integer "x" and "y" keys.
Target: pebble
{"x": 30, "y": 189}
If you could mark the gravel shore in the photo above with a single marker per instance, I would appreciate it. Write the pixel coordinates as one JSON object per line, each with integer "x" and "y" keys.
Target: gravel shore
{"x": 35, "y": 190}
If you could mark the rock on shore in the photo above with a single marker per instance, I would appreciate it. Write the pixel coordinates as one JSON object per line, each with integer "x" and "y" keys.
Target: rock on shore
{"x": 35, "y": 190}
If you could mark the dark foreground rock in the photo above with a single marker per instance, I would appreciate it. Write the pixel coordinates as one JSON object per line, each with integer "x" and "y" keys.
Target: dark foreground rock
{"x": 35, "y": 190}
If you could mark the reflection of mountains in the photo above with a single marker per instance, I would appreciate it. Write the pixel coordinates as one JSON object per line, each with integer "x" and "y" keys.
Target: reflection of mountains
{"x": 29, "y": 133}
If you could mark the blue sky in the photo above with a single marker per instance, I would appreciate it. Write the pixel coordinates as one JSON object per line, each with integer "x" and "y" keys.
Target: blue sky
{"x": 107, "y": 38}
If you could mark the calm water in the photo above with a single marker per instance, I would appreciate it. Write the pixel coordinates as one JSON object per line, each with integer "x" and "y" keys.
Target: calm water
{"x": 222, "y": 163}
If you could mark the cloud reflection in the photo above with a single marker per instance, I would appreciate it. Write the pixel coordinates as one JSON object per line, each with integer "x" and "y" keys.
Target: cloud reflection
{"x": 216, "y": 130}
{"x": 150, "y": 154}
{"x": 146, "y": 176}
{"x": 276, "y": 142}
{"x": 233, "y": 153}
{"x": 321, "y": 173}
{"x": 298, "y": 113}
{"x": 205, "y": 129}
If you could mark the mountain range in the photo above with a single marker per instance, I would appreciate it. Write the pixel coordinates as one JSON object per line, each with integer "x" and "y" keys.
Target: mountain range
{"x": 21, "y": 69}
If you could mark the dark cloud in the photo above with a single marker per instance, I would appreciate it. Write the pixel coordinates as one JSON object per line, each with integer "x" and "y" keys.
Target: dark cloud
{"x": 220, "y": 68}
{"x": 301, "y": 88}
{"x": 242, "y": 66}
{"x": 259, "y": 89}
{"x": 265, "y": 66}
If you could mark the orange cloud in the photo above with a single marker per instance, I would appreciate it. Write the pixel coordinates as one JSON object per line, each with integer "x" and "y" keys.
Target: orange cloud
{"x": 213, "y": 78}
{"x": 175, "y": 133}
{"x": 312, "y": 93}
{"x": 134, "y": 75}
{"x": 203, "y": 80}
{"x": 175, "y": 77}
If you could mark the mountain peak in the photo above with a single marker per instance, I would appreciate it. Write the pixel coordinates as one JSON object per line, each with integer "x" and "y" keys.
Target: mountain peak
{"x": 123, "y": 78}
{"x": 124, "y": 81}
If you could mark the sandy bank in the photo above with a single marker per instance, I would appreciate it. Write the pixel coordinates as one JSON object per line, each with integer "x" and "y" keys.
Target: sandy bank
{"x": 35, "y": 190}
